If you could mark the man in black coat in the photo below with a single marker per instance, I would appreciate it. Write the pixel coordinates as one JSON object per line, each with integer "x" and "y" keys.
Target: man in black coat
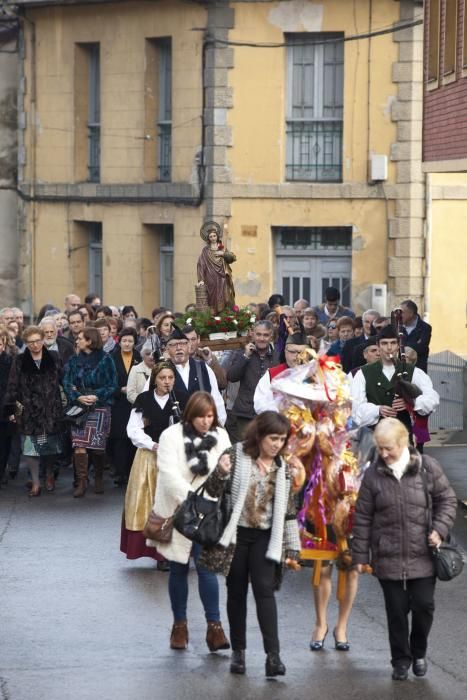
{"x": 417, "y": 333}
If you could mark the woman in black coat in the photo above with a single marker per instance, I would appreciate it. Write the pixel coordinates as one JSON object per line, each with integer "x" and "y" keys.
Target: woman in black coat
{"x": 120, "y": 447}
{"x": 34, "y": 385}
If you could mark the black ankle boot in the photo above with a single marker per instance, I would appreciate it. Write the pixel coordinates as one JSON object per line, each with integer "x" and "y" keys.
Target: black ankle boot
{"x": 274, "y": 665}
{"x": 237, "y": 663}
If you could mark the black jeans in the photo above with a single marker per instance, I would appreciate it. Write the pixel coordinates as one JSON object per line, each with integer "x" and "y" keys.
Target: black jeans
{"x": 418, "y": 598}
{"x": 250, "y": 562}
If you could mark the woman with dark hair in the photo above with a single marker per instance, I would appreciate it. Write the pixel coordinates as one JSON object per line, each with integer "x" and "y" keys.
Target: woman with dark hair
{"x": 88, "y": 313}
{"x": 34, "y": 384}
{"x": 120, "y": 447}
{"x": 164, "y": 326}
{"x": 90, "y": 381}
{"x": 261, "y": 535}
{"x": 103, "y": 311}
{"x": 129, "y": 312}
{"x": 154, "y": 410}
{"x": 188, "y": 452}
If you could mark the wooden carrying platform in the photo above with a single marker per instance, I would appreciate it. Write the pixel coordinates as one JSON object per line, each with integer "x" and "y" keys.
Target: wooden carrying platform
{"x": 227, "y": 344}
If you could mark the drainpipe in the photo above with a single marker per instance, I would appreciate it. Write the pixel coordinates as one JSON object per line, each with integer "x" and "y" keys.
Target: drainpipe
{"x": 428, "y": 247}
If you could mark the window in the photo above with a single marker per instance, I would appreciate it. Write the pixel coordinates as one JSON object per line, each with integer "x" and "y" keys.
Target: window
{"x": 450, "y": 35}
{"x": 94, "y": 114}
{"x": 314, "y": 107}
{"x": 87, "y": 113}
{"x": 167, "y": 266}
{"x": 158, "y": 83}
{"x": 311, "y": 258}
{"x": 95, "y": 259}
{"x": 85, "y": 254}
{"x": 433, "y": 38}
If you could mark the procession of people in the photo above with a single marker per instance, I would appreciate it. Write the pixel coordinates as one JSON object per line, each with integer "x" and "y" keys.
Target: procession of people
{"x": 264, "y": 427}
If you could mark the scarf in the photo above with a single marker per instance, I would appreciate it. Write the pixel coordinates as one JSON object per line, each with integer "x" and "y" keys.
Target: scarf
{"x": 197, "y": 448}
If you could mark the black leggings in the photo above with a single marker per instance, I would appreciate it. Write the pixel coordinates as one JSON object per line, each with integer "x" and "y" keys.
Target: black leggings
{"x": 250, "y": 562}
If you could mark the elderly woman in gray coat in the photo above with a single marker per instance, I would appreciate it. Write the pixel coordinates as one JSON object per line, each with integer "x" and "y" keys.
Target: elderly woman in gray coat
{"x": 262, "y": 531}
{"x": 391, "y": 533}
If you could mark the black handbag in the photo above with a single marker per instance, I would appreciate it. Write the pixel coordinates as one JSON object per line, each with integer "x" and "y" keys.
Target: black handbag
{"x": 200, "y": 519}
{"x": 447, "y": 557}
{"x": 75, "y": 415}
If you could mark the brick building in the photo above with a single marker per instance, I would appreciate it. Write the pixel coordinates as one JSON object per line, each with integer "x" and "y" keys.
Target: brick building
{"x": 445, "y": 86}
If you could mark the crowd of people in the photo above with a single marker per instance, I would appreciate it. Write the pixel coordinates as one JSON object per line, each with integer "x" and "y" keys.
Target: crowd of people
{"x": 101, "y": 388}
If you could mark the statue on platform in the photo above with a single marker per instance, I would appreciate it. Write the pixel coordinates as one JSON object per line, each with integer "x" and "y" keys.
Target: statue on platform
{"x": 214, "y": 271}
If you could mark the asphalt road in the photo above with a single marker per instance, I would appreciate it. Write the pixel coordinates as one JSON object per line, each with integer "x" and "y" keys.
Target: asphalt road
{"x": 80, "y": 622}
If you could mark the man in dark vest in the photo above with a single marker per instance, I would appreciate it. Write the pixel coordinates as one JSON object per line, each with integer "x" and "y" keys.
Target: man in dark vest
{"x": 191, "y": 375}
{"x": 374, "y": 386}
{"x": 263, "y": 398}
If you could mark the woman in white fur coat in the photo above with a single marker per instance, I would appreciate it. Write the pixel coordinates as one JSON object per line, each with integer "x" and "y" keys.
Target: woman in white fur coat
{"x": 188, "y": 452}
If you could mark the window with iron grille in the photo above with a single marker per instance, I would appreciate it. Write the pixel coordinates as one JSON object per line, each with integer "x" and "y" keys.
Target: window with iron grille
{"x": 314, "y": 112}
{"x": 164, "y": 118}
{"x": 94, "y": 113}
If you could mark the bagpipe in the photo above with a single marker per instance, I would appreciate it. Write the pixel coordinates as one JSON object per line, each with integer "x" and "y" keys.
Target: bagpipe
{"x": 404, "y": 388}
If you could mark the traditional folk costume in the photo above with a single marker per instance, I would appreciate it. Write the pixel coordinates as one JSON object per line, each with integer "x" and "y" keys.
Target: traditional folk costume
{"x": 151, "y": 415}
{"x": 375, "y": 385}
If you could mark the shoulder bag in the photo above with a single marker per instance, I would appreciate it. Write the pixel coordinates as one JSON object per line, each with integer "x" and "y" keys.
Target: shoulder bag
{"x": 447, "y": 556}
{"x": 201, "y": 519}
{"x": 158, "y": 528}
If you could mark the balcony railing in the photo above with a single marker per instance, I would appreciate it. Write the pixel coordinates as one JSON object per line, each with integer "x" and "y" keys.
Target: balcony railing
{"x": 314, "y": 151}
{"x": 164, "y": 151}
{"x": 94, "y": 152}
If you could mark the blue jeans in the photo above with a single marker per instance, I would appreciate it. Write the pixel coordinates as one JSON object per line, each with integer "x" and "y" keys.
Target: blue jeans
{"x": 208, "y": 588}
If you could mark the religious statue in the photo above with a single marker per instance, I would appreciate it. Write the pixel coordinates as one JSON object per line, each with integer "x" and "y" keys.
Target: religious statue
{"x": 214, "y": 268}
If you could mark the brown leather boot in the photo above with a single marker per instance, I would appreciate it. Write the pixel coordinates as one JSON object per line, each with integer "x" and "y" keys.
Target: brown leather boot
{"x": 215, "y": 637}
{"x": 98, "y": 460}
{"x": 179, "y": 635}
{"x": 81, "y": 469}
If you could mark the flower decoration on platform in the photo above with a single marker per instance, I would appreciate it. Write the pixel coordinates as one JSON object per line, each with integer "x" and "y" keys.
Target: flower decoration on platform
{"x": 228, "y": 320}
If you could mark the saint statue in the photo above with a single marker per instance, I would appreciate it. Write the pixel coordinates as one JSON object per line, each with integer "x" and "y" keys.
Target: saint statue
{"x": 214, "y": 268}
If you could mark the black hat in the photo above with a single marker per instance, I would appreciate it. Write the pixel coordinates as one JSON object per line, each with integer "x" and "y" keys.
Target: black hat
{"x": 176, "y": 334}
{"x": 297, "y": 339}
{"x": 388, "y": 332}
{"x": 371, "y": 340}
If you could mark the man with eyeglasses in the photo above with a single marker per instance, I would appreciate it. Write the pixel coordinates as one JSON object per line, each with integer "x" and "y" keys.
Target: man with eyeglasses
{"x": 191, "y": 375}
{"x": 263, "y": 399}
{"x": 53, "y": 341}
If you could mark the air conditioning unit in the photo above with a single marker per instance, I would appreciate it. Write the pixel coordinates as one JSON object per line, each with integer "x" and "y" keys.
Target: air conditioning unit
{"x": 379, "y": 293}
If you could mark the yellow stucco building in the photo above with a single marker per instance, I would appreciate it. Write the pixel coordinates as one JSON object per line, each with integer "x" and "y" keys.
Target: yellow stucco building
{"x": 295, "y": 124}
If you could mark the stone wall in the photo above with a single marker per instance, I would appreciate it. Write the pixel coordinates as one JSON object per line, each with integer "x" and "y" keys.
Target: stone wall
{"x": 8, "y": 197}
